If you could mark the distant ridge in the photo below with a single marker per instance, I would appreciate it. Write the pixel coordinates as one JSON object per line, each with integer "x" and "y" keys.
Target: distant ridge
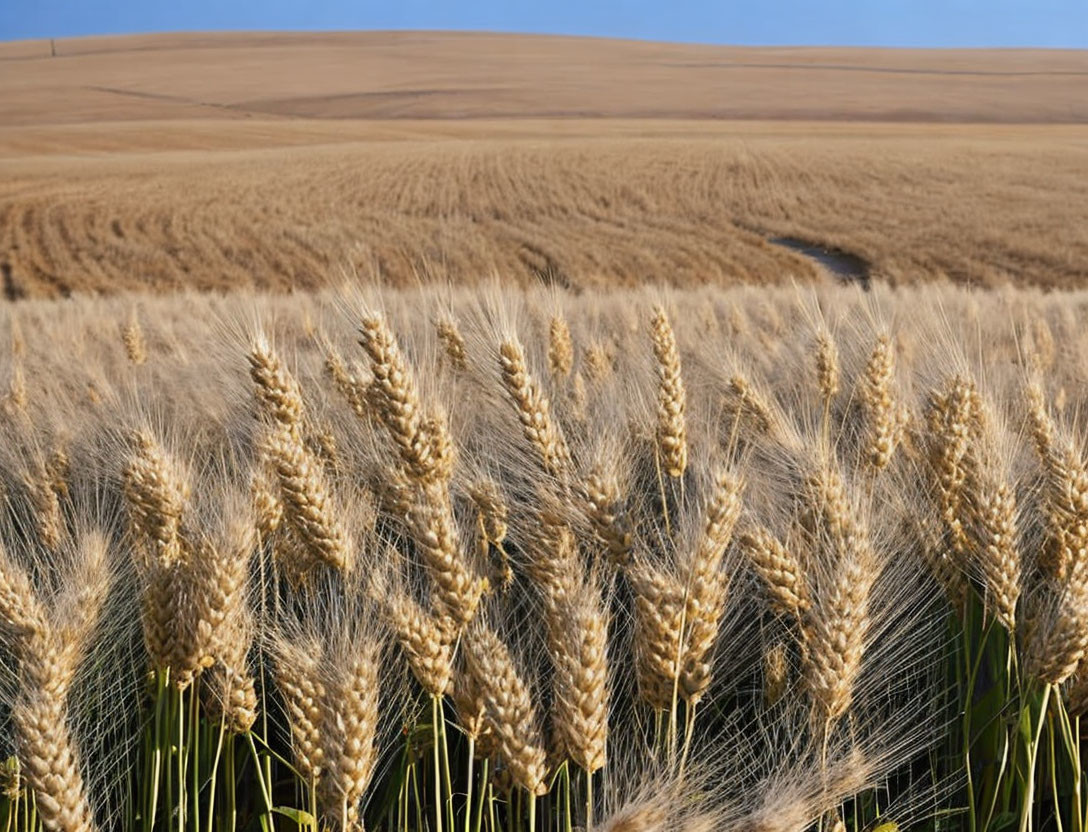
{"x": 446, "y": 75}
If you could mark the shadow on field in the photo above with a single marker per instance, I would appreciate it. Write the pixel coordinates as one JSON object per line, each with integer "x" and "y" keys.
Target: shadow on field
{"x": 844, "y": 265}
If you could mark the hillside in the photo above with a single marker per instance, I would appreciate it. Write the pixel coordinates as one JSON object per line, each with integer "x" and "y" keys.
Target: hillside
{"x": 470, "y": 75}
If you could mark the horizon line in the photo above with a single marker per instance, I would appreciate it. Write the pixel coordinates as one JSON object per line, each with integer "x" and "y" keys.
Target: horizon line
{"x": 524, "y": 33}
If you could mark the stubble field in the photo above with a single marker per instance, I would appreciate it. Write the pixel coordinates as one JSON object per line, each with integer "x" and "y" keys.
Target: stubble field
{"x": 150, "y": 163}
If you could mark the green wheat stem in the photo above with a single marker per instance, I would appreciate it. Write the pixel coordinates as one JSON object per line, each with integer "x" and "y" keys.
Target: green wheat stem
{"x": 1033, "y": 753}
{"x": 212, "y": 785}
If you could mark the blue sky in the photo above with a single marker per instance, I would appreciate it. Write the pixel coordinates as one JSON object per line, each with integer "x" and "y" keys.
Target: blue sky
{"x": 1050, "y": 23}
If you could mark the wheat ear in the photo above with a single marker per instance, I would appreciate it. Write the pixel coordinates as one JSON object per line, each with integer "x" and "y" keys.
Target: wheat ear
{"x": 453, "y": 342}
{"x": 708, "y": 585}
{"x": 276, "y": 388}
{"x": 776, "y": 673}
{"x": 883, "y": 422}
{"x": 560, "y": 347}
{"x": 296, "y": 667}
{"x": 672, "y": 440}
{"x": 156, "y": 492}
{"x": 605, "y": 507}
{"x": 835, "y": 630}
{"x": 659, "y": 621}
{"x": 434, "y": 529}
{"x": 533, "y": 410}
{"x": 307, "y": 499}
{"x": 48, "y": 657}
{"x": 581, "y": 679}
{"x": 508, "y": 706}
{"x": 398, "y": 404}
{"x": 45, "y": 504}
{"x": 354, "y": 386}
{"x": 828, "y": 372}
{"x": 349, "y": 728}
{"x": 427, "y": 642}
{"x": 132, "y": 336}
{"x": 779, "y": 570}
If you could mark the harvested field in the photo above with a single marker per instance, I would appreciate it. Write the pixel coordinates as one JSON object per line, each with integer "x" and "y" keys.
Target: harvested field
{"x": 583, "y": 204}
{"x": 288, "y": 161}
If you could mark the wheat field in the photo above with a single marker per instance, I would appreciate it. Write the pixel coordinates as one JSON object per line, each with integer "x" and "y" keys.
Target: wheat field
{"x": 426, "y": 432}
{"x": 635, "y": 560}
{"x": 583, "y": 205}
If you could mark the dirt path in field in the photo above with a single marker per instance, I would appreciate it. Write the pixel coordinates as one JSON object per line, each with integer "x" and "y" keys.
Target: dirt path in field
{"x": 844, "y": 265}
